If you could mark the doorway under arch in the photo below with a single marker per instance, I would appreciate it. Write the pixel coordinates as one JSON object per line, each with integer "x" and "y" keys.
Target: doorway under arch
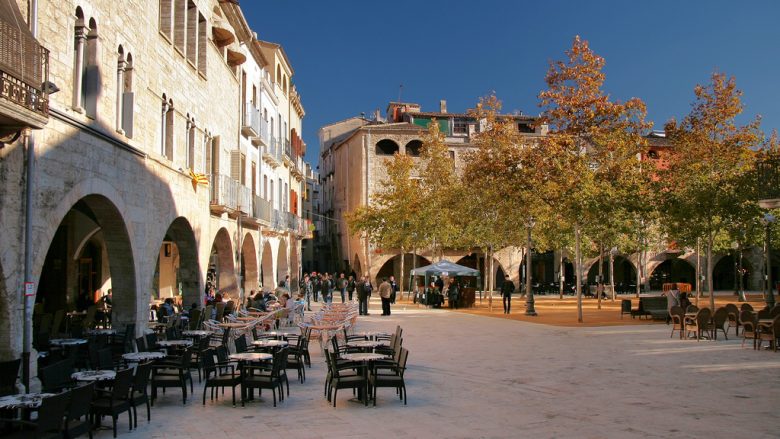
{"x": 477, "y": 262}
{"x": 281, "y": 262}
{"x": 222, "y": 273}
{"x": 248, "y": 269}
{"x": 672, "y": 270}
{"x": 392, "y": 267}
{"x": 89, "y": 256}
{"x": 178, "y": 270}
{"x": 267, "y": 267}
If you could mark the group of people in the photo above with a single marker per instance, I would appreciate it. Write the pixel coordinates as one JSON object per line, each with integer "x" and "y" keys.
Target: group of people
{"x": 321, "y": 287}
{"x": 433, "y": 295}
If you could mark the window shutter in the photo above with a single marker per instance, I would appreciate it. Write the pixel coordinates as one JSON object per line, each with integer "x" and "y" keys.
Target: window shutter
{"x": 202, "y": 38}
{"x": 235, "y": 165}
{"x": 127, "y": 113}
{"x": 165, "y": 17}
{"x": 179, "y": 24}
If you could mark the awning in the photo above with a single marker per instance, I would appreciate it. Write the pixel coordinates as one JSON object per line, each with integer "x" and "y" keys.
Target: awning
{"x": 445, "y": 268}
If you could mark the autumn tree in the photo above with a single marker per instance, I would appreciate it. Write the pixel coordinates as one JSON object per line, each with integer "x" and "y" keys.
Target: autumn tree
{"x": 392, "y": 219}
{"x": 705, "y": 182}
{"x": 591, "y": 153}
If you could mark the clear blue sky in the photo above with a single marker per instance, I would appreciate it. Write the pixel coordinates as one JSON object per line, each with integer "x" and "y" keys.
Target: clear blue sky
{"x": 350, "y": 56}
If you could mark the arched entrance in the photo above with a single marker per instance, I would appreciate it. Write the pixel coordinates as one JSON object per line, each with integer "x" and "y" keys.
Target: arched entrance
{"x": 267, "y": 267}
{"x": 477, "y": 262}
{"x": 249, "y": 265}
{"x": 672, "y": 270}
{"x": 222, "y": 274}
{"x": 178, "y": 271}
{"x": 724, "y": 274}
{"x": 357, "y": 266}
{"x": 282, "y": 269}
{"x": 392, "y": 267}
{"x": 625, "y": 273}
{"x": 294, "y": 265}
{"x": 90, "y": 256}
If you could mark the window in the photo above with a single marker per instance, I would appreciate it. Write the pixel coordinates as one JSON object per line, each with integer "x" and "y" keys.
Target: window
{"x": 165, "y": 18}
{"x": 278, "y": 79}
{"x": 179, "y": 24}
{"x": 271, "y": 192}
{"x": 166, "y": 144}
{"x": 190, "y": 142}
{"x": 91, "y": 76}
{"x": 124, "y": 93}
{"x": 265, "y": 187}
{"x": 254, "y": 179}
{"x": 413, "y": 148}
{"x": 80, "y": 33}
{"x": 386, "y": 147}
{"x": 192, "y": 34}
{"x": 202, "y": 38}
{"x": 525, "y": 128}
{"x": 281, "y": 197}
{"x": 205, "y": 152}
{"x": 286, "y": 195}
{"x": 460, "y": 126}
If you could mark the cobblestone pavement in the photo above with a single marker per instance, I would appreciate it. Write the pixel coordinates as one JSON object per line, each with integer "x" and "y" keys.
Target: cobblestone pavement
{"x": 472, "y": 376}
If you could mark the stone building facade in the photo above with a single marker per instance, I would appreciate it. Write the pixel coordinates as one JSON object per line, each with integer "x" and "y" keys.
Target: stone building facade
{"x": 352, "y": 165}
{"x": 153, "y": 174}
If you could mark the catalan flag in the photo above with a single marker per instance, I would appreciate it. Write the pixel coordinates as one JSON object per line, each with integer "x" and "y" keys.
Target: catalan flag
{"x": 198, "y": 178}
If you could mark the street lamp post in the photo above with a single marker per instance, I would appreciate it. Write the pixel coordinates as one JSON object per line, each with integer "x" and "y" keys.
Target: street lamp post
{"x": 738, "y": 271}
{"x": 767, "y": 221}
{"x": 529, "y": 293}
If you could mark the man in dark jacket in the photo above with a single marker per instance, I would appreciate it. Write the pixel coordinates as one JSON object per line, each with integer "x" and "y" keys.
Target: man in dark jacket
{"x": 507, "y": 288}
{"x": 364, "y": 289}
{"x": 394, "y": 286}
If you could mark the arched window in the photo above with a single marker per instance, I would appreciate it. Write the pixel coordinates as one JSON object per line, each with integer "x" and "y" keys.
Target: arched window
{"x": 386, "y": 147}
{"x": 284, "y": 84}
{"x": 79, "y": 51}
{"x": 413, "y": 148}
{"x": 91, "y": 76}
{"x": 166, "y": 144}
{"x": 278, "y": 74}
{"x": 124, "y": 93}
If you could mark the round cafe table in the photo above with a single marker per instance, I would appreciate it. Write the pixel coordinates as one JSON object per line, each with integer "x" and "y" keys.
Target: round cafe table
{"x": 174, "y": 343}
{"x": 102, "y": 331}
{"x": 23, "y": 400}
{"x": 67, "y": 341}
{"x": 137, "y": 357}
{"x": 365, "y": 344}
{"x": 251, "y": 356}
{"x": 372, "y": 334}
{"x": 272, "y": 344}
{"x": 365, "y": 359}
{"x": 281, "y": 333}
{"x": 195, "y": 333}
{"x": 94, "y": 375}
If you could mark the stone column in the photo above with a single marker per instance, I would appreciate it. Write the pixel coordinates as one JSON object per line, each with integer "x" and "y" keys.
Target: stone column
{"x": 81, "y": 38}
{"x": 120, "y": 85}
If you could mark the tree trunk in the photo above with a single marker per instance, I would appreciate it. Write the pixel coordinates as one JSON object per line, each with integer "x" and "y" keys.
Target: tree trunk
{"x": 578, "y": 263}
{"x": 486, "y": 279}
{"x": 638, "y": 271}
{"x": 561, "y": 277}
{"x": 401, "y": 277}
{"x": 698, "y": 270}
{"x": 490, "y": 277}
{"x": 600, "y": 284}
{"x": 612, "y": 274}
{"x": 709, "y": 272}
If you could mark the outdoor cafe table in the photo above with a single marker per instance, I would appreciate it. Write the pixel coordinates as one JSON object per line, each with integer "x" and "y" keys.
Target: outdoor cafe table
{"x": 94, "y": 375}
{"x": 247, "y": 319}
{"x": 279, "y": 334}
{"x": 102, "y": 331}
{"x": 137, "y": 357}
{"x": 372, "y": 334}
{"x": 232, "y": 325}
{"x": 365, "y": 344}
{"x": 195, "y": 333}
{"x": 174, "y": 343}
{"x": 67, "y": 341}
{"x": 272, "y": 344}
{"x": 365, "y": 359}
{"x": 23, "y": 400}
{"x": 251, "y": 356}
{"x": 325, "y": 331}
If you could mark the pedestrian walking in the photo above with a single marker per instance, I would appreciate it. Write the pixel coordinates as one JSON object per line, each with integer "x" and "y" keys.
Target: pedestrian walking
{"x": 394, "y": 286}
{"x": 342, "y": 286}
{"x": 351, "y": 287}
{"x": 363, "y": 293}
{"x": 507, "y": 288}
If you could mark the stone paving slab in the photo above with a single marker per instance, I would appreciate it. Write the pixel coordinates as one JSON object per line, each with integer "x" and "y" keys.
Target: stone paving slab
{"x": 472, "y": 376}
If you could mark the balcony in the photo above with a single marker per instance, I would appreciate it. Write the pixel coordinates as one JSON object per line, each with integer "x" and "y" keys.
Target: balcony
{"x": 250, "y": 126}
{"x": 769, "y": 184}
{"x": 261, "y": 209}
{"x": 24, "y": 69}
{"x": 297, "y": 169}
{"x": 262, "y": 138}
{"x": 224, "y": 193}
{"x": 272, "y": 153}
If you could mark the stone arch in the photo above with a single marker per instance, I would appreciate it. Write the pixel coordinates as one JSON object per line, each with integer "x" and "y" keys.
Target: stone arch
{"x": 724, "y": 273}
{"x": 475, "y": 260}
{"x": 625, "y": 271}
{"x": 413, "y": 148}
{"x": 222, "y": 273}
{"x": 249, "y": 270}
{"x": 294, "y": 265}
{"x": 177, "y": 262}
{"x": 386, "y": 147}
{"x": 672, "y": 269}
{"x": 107, "y": 263}
{"x": 267, "y": 266}
{"x": 357, "y": 265}
{"x": 392, "y": 267}
{"x": 282, "y": 266}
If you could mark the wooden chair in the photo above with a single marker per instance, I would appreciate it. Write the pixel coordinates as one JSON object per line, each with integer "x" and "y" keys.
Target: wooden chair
{"x": 748, "y": 320}
{"x": 719, "y": 321}
{"x": 746, "y": 307}
{"x": 733, "y": 314}
{"x": 678, "y": 320}
{"x": 700, "y": 324}
{"x": 769, "y": 333}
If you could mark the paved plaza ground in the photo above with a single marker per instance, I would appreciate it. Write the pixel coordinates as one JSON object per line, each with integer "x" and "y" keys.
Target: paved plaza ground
{"x": 473, "y": 376}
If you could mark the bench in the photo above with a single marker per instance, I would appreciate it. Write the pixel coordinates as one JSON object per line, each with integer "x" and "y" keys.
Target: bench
{"x": 653, "y": 306}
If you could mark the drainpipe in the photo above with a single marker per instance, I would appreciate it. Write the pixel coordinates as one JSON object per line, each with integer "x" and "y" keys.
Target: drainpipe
{"x": 29, "y": 141}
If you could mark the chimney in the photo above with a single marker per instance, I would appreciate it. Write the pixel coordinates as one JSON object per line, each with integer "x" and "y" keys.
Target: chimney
{"x": 377, "y": 115}
{"x": 442, "y": 106}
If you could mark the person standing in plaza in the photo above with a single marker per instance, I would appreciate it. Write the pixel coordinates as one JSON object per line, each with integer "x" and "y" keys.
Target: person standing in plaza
{"x": 326, "y": 288}
{"x": 307, "y": 291}
{"x": 385, "y": 290}
{"x": 351, "y": 286}
{"x": 342, "y": 286}
{"x": 452, "y": 293}
{"x": 315, "y": 285}
{"x": 394, "y": 286}
{"x": 507, "y": 288}
{"x": 363, "y": 293}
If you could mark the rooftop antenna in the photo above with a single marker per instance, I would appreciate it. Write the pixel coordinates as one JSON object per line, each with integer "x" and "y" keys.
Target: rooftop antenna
{"x": 400, "y": 89}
